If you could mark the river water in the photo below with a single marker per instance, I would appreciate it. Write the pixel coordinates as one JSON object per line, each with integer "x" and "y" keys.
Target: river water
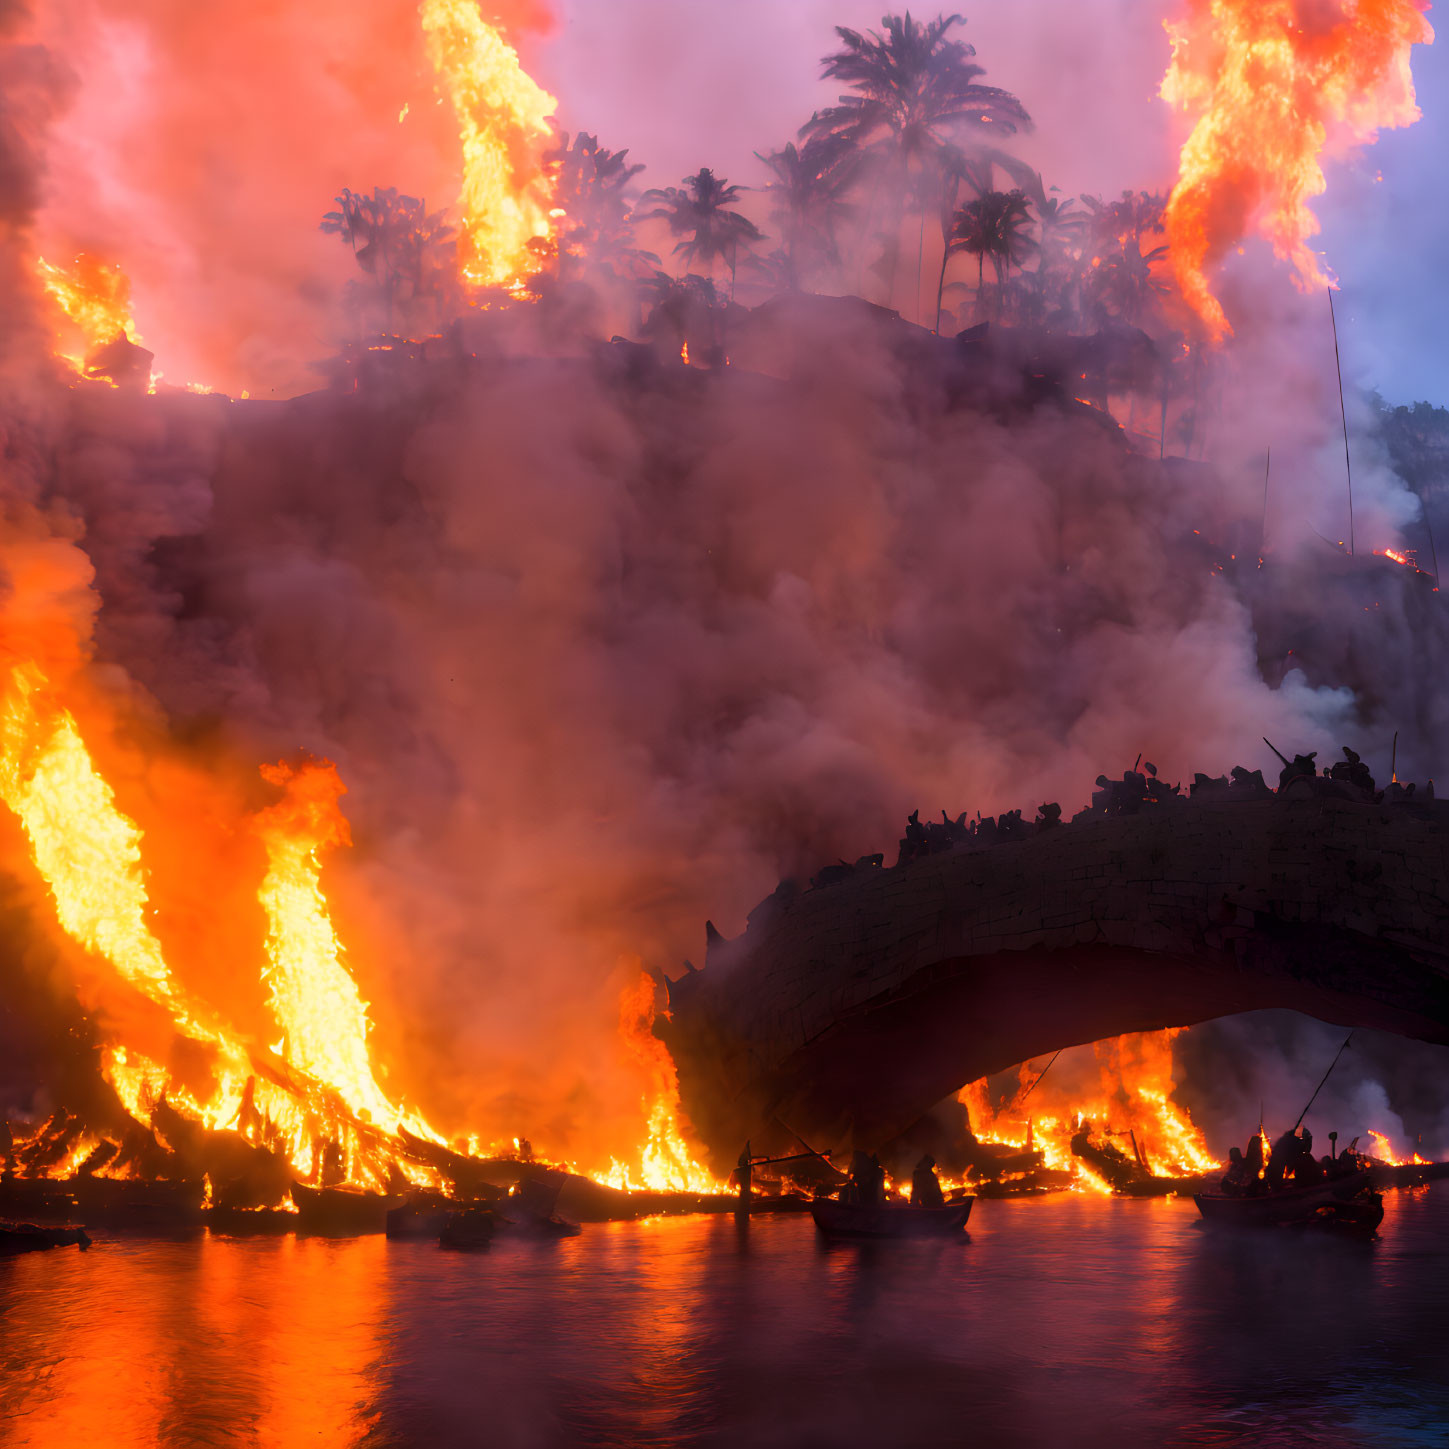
{"x": 1071, "y": 1321}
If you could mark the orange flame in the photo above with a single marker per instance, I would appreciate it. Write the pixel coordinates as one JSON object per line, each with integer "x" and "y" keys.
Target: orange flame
{"x": 88, "y": 852}
{"x": 313, "y": 997}
{"x": 506, "y": 199}
{"x": 1132, "y": 1094}
{"x": 666, "y": 1163}
{"x": 96, "y": 301}
{"x": 1269, "y": 85}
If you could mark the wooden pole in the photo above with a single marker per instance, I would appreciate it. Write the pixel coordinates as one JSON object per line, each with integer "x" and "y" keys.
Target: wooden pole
{"x": 1326, "y": 1076}
{"x": 1343, "y": 413}
{"x": 1267, "y": 473}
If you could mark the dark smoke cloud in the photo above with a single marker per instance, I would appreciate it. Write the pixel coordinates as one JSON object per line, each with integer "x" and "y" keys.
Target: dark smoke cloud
{"x": 599, "y": 658}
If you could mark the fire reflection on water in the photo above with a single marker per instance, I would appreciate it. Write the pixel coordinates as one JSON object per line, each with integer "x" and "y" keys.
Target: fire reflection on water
{"x": 1075, "y": 1320}
{"x": 197, "y": 1342}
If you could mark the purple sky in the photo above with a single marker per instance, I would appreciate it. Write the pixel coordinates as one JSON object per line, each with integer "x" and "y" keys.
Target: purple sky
{"x": 689, "y": 83}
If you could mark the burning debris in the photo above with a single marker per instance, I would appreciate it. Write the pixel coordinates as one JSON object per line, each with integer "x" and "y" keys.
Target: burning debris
{"x": 258, "y": 1089}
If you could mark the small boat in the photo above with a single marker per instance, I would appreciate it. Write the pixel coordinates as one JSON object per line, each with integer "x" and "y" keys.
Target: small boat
{"x": 1349, "y": 1201}
{"x": 17, "y": 1238}
{"x": 422, "y": 1215}
{"x": 848, "y": 1220}
{"x": 342, "y": 1212}
{"x": 470, "y": 1228}
{"x": 526, "y": 1225}
{"x": 528, "y": 1210}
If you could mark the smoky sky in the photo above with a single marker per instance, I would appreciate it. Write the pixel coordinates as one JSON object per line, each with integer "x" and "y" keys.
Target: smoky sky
{"x": 684, "y": 86}
{"x": 599, "y": 658}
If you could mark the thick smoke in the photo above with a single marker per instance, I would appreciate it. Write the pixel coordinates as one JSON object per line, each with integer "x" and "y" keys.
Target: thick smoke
{"x": 603, "y": 649}
{"x": 601, "y": 646}
{"x": 204, "y": 144}
{"x": 1269, "y": 1062}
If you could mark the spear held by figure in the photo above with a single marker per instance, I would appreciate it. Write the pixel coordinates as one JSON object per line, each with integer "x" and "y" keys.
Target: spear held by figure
{"x": 1326, "y": 1076}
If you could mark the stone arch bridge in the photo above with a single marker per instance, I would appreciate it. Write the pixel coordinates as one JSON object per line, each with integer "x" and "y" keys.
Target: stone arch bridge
{"x": 848, "y": 1011}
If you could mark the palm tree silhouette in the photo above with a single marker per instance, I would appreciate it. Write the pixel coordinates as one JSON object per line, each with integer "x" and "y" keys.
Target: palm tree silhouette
{"x": 916, "y": 88}
{"x": 994, "y": 225}
{"x": 397, "y": 240}
{"x": 699, "y": 212}
{"x": 1061, "y": 232}
{"x": 591, "y": 189}
{"x": 971, "y": 172}
{"x": 809, "y": 200}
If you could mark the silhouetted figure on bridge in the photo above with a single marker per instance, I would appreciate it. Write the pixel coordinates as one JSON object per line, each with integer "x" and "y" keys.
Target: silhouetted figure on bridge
{"x": 1353, "y": 770}
{"x": 1301, "y": 767}
{"x": 1248, "y": 784}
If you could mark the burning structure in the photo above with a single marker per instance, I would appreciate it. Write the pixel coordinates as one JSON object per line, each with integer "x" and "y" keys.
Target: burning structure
{"x": 602, "y": 637}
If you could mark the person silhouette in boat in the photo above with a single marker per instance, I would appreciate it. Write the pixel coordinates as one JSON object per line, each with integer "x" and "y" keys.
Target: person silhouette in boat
{"x": 744, "y": 1177}
{"x": 1281, "y": 1158}
{"x": 925, "y": 1185}
{"x": 1236, "y": 1180}
{"x": 867, "y": 1181}
{"x": 1255, "y": 1162}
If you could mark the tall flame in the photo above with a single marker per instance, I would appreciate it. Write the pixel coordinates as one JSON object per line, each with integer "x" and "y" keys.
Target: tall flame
{"x": 87, "y": 850}
{"x": 95, "y": 298}
{"x": 89, "y": 854}
{"x": 665, "y": 1160}
{"x": 312, "y": 995}
{"x": 503, "y": 119}
{"x": 1269, "y": 85}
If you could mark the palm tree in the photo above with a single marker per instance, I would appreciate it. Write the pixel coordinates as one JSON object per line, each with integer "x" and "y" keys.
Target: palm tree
{"x": 994, "y": 225}
{"x": 916, "y": 88}
{"x": 591, "y": 189}
{"x": 1125, "y": 284}
{"x": 396, "y": 240}
{"x": 971, "y": 171}
{"x": 1060, "y": 234}
{"x": 699, "y": 213}
{"x": 809, "y": 202}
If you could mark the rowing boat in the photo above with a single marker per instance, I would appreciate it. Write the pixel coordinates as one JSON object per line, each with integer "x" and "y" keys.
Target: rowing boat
{"x": 1348, "y": 1202}
{"x": 848, "y": 1220}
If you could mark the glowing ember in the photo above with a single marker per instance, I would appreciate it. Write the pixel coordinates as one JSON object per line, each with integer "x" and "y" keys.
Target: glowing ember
{"x": 506, "y": 199}
{"x": 1269, "y": 84}
{"x": 1130, "y": 1099}
{"x": 96, "y": 300}
{"x": 665, "y": 1161}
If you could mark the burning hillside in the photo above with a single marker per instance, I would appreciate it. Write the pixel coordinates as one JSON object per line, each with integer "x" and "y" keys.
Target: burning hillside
{"x": 595, "y": 638}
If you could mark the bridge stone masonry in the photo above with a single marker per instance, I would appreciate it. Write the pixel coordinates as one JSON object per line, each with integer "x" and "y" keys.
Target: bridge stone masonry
{"x": 844, "y": 1013}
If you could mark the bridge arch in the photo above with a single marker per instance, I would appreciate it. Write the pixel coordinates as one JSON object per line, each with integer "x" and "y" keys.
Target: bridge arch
{"x": 848, "y": 1011}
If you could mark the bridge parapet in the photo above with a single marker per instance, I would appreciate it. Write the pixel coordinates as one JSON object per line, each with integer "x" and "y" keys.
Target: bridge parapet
{"x": 848, "y": 1011}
